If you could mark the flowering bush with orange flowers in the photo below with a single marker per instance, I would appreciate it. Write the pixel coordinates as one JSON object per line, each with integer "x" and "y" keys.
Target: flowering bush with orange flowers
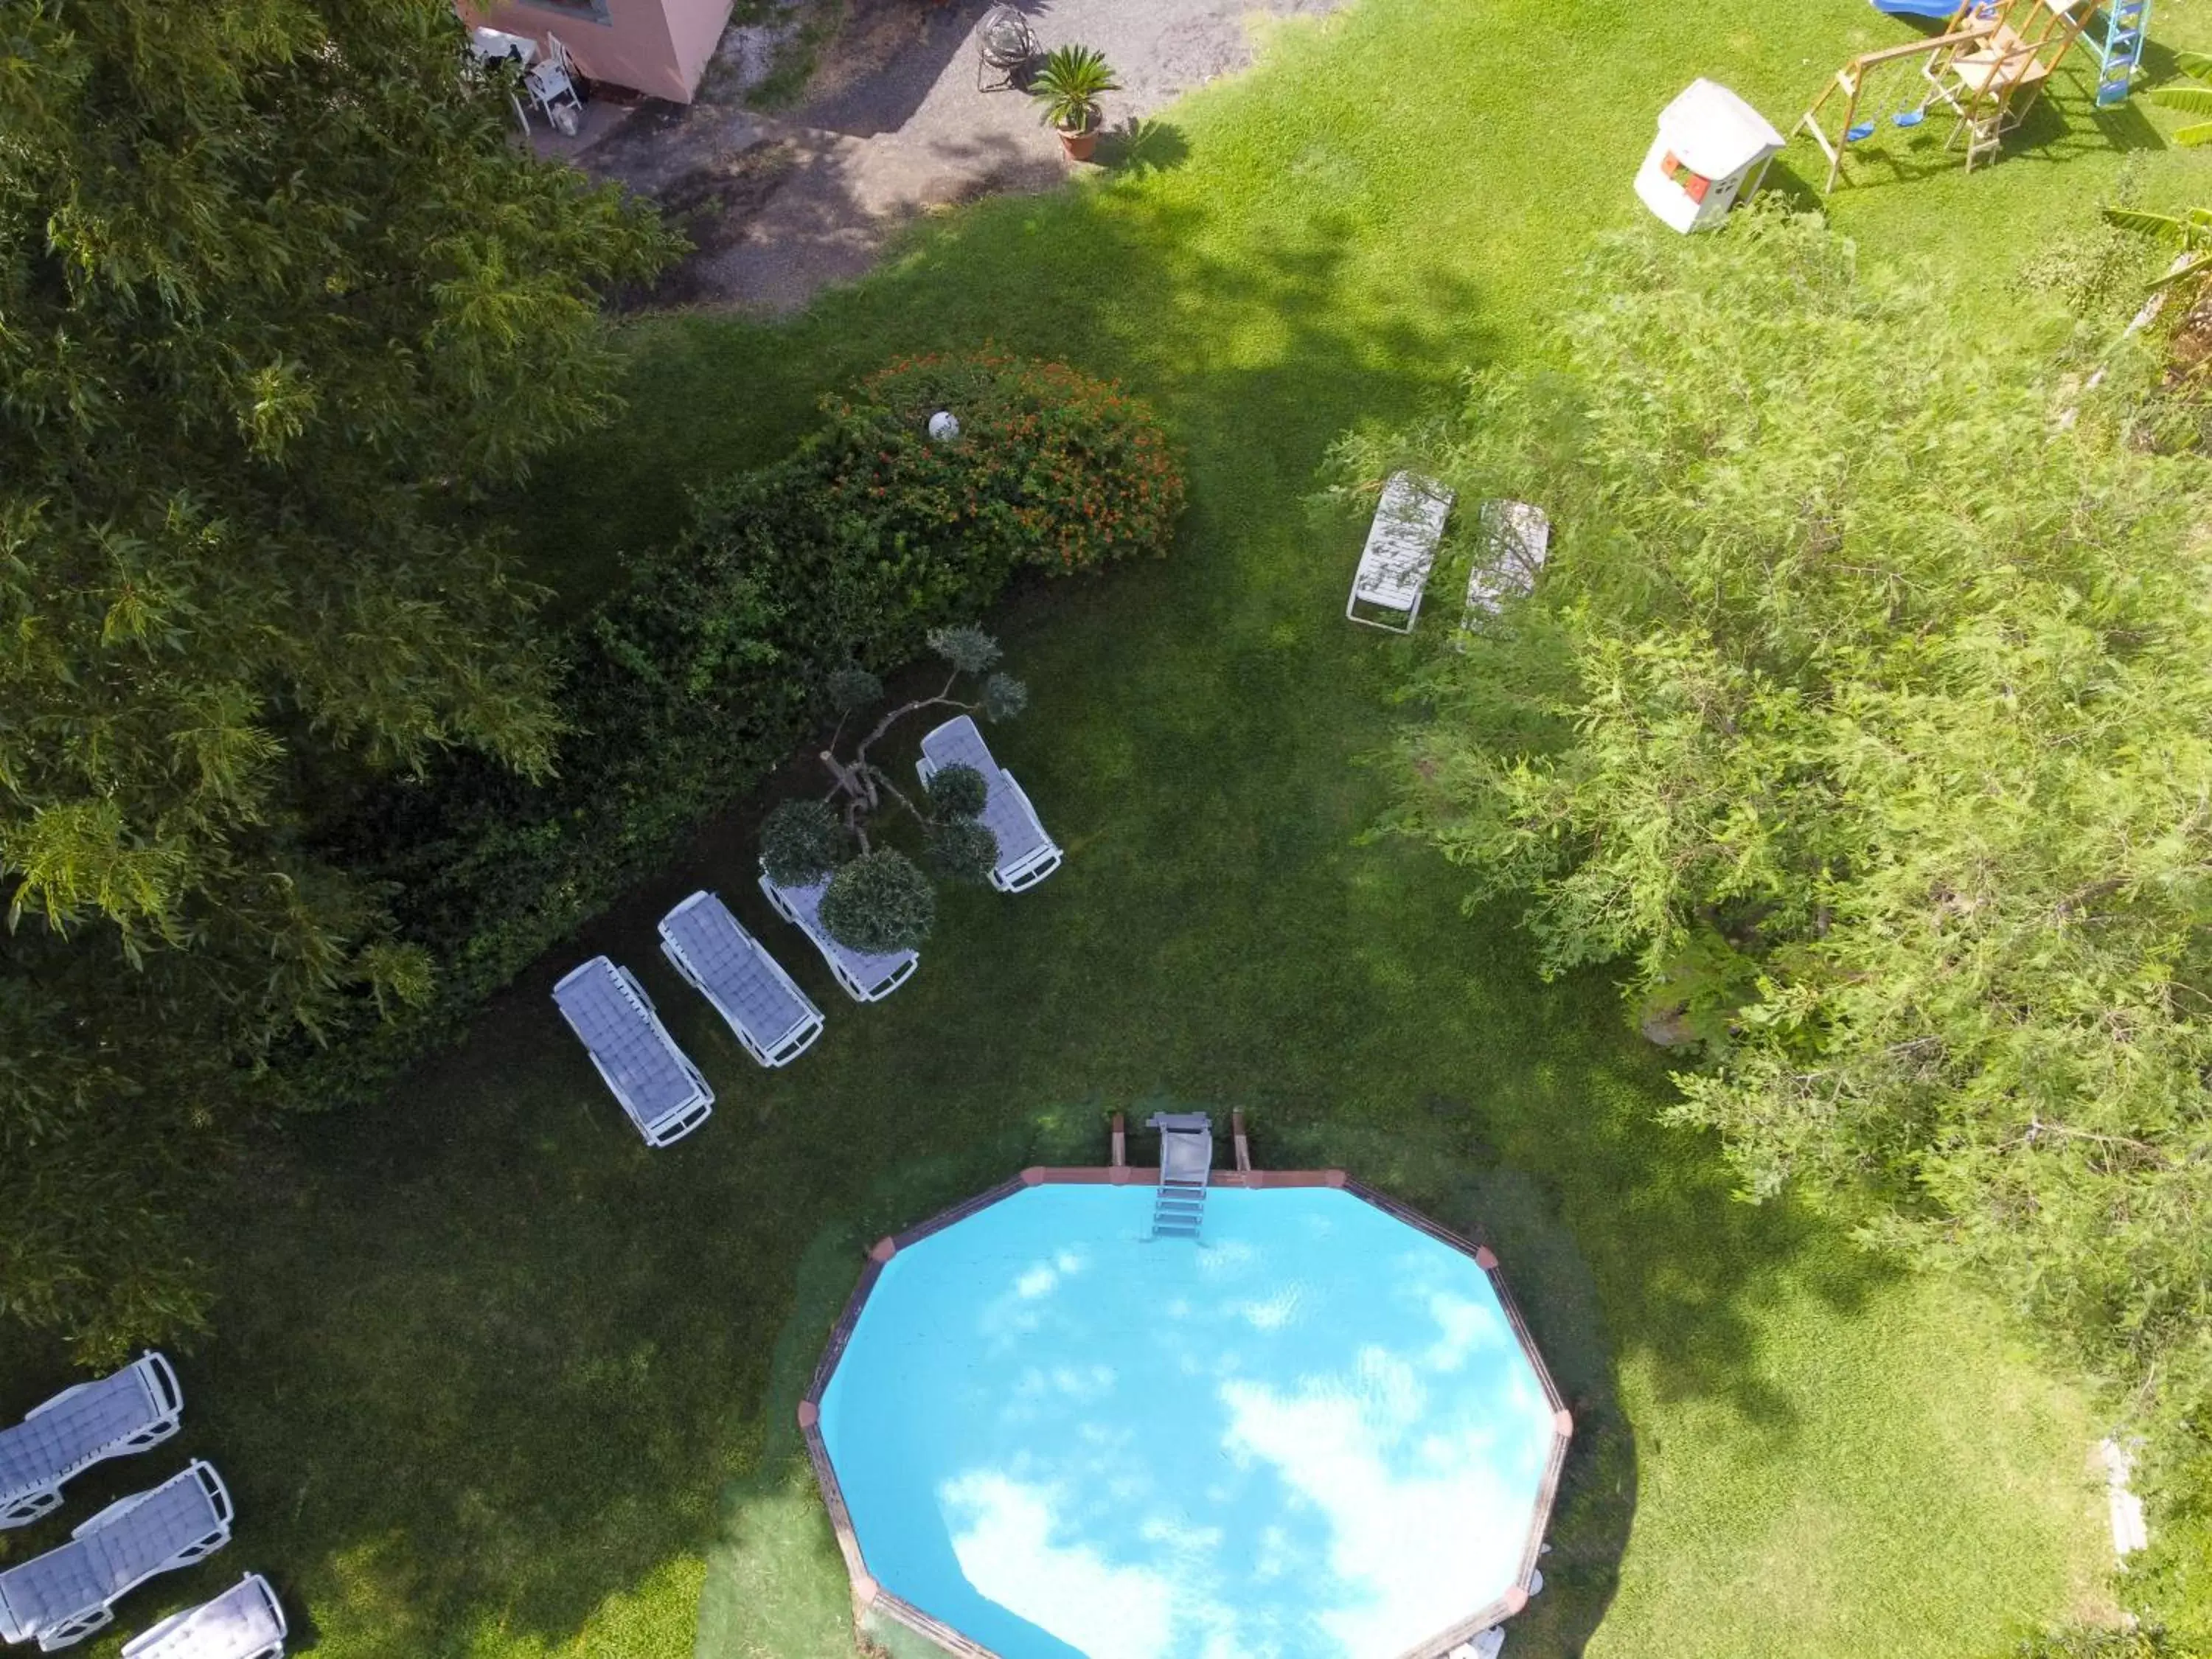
{"x": 1051, "y": 466}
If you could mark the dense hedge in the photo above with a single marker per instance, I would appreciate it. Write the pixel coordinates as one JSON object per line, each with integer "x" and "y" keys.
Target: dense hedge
{"x": 702, "y": 673}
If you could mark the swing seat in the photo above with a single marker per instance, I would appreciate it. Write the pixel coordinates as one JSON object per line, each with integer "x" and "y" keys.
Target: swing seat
{"x": 1909, "y": 117}
{"x": 1863, "y": 130}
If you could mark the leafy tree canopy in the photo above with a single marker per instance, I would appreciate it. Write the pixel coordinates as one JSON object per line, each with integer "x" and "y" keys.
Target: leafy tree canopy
{"x": 278, "y": 300}
{"x": 1864, "y": 709}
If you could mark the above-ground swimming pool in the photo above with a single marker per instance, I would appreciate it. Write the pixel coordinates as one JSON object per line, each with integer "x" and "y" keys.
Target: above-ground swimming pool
{"x": 1318, "y": 1430}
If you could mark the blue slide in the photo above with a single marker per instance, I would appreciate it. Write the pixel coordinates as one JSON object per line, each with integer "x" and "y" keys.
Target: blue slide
{"x": 1938, "y": 9}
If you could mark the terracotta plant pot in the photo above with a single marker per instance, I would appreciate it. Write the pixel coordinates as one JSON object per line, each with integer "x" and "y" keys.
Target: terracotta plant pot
{"x": 1078, "y": 145}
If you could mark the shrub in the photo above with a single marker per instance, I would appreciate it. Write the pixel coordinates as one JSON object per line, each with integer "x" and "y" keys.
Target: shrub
{"x": 963, "y": 850}
{"x": 795, "y": 587}
{"x": 959, "y": 792}
{"x": 879, "y": 902}
{"x": 1052, "y": 468}
{"x": 801, "y": 842}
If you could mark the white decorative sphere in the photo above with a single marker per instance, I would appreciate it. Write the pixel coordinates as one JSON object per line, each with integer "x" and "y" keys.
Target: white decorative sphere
{"x": 943, "y": 427}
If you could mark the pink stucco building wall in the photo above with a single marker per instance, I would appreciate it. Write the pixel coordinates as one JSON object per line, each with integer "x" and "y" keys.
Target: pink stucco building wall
{"x": 659, "y": 46}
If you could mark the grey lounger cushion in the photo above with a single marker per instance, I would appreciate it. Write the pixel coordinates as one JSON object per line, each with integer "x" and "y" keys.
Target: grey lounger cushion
{"x": 126, "y": 1411}
{"x": 1026, "y": 854}
{"x": 772, "y": 1016}
{"x": 63, "y": 1595}
{"x": 245, "y": 1621}
{"x": 656, "y": 1085}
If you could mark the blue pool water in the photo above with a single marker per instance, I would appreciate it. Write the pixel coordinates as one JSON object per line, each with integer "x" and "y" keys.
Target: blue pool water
{"x": 1311, "y": 1436}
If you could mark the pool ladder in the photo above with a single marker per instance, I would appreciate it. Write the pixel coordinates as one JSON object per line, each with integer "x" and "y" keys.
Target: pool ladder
{"x": 1186, "y": 1168}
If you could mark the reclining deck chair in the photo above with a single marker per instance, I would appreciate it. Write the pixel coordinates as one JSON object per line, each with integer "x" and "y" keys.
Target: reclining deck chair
{"x": 1516, "y": 537}
{"x": 1026, "y": 854}
{"x": 1400, "y": 551}
{"x": 127, "y": 1411}
{"x": 864, "y": 975}
{"x": 247, "y": 1621}
{"x": 63, "y": 1596}
{"x": 771, "y": 1015}
{"x": 657, "y": 1084}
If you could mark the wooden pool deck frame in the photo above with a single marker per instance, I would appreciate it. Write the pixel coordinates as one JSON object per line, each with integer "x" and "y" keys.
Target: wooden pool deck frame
{"x": 868, "y": 1595}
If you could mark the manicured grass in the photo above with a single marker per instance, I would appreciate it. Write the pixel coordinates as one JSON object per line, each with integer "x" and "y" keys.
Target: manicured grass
{"x": 492, "y": 1380}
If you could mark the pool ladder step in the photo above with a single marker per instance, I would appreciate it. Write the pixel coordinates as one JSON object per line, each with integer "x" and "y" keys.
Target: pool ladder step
{"x": 1186, "y": 1167}
{"x": 1179, "y": 1210}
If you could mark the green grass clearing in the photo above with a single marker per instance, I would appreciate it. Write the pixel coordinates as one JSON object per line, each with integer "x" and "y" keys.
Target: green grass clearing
{"x": 494, "y": 1381}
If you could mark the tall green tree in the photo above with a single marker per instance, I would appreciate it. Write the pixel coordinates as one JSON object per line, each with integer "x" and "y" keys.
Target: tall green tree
{"x": 1865, "y": 710}
{"x": 280, "y": 298}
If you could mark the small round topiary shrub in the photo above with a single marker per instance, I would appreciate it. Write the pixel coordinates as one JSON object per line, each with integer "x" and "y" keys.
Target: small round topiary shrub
{"x": 964, "y": 849}
{"x": 879, "y": 902}
{"x": 959, "y": 792}
{"x": 1051, "y": 467}
{"x": 801, "y": 842}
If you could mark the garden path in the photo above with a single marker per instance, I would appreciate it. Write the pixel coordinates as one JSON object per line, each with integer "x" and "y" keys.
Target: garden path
{"x": 892, "y": 126}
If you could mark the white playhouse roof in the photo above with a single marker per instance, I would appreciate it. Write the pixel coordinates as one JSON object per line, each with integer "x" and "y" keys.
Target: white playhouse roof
{"x": 1714, "y": 132}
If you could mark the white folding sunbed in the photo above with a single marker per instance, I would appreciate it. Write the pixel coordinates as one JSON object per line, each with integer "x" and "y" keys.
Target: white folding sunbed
{"x": 1516, "y": 537}
{"x": 864, "y": 975}
{"x": 127, "y": 1411}
{"x": 1026, "y": 854}
{"x": 247, "y": 1621}
{"x": 63, "y": 1595}
{"x": 1400, "y": 551}
{"x": 659, "y": 1087}
{"x": 771, "y": 1015}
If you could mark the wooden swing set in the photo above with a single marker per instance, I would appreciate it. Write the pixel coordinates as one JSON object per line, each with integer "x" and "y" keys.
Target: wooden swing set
{"x": 1988, "y": 67}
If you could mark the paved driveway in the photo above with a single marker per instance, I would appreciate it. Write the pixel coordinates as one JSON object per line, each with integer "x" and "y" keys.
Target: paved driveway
{"x": 893, "y": 126}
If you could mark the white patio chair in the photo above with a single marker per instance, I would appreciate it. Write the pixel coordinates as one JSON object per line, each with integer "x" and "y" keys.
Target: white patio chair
{"x": 247, "y": 1621}
{"x": 1515, "y": 538}
{"x": 771, "y": 1015}
{"x": 653, "y": 1078}
{"x": 63, "y": 1596}
{"x": 1026, "y": 854}
{"x": 1400, "y": 551}
{"x": 1488, "y": 1645}
{"x": 551, "y": 83}
{"x": 125, "y": 1412}
{"x": 863, "y": 976}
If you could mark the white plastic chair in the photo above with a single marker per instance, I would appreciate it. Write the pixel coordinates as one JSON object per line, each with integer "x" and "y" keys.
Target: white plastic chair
{"x": 247, "y": 1621}
{"x": 770, "y": 1015}
{"x": 655, "y": 1080}
{"x": 125, "y": 1412}
{"x": 1026, "y": 854}
{"x": 61, "y": 1598}
{"x": 1400, "y": 551}
{"x": 1515, "y": 540}
{"x": 551, "y": 83}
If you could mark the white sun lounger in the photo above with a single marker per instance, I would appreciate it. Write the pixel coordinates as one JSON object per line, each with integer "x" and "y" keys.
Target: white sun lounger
{"x": 1516, "y": 537}
{"x": 772, "y": 1016}
{"x": 864, "y": 975}
{"x": 125, "y": 1412}
{"x": 247, "y": 1621}
{"x": 659, "y": 1087}
{"x": 1026, "y": 854}
{"x": 68, "y": 1593}
{"x": 1400, "y": 550}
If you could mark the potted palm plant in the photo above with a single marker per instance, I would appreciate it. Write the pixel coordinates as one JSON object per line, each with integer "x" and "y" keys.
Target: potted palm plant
{"x": 1068, "y": 87}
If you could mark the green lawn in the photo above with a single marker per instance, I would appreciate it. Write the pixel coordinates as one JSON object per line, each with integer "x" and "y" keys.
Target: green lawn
{"x": 492, "y": 1380}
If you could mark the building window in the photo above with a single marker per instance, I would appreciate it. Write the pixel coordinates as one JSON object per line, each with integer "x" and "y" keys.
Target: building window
{"x": 589, "y": 11}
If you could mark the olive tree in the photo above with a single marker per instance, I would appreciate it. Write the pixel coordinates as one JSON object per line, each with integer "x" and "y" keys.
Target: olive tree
{"x": 877, "y": 898}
